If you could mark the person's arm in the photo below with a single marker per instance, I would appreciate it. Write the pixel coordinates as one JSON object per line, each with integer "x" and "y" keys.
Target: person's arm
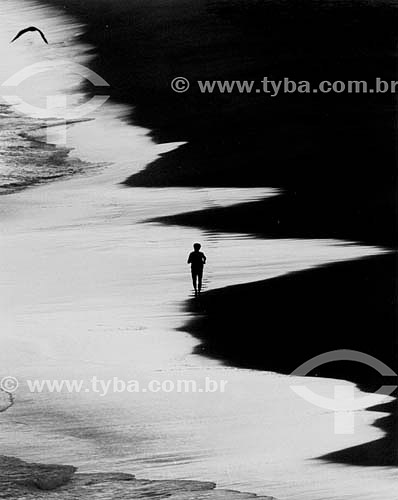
{"x": 189, "y": 258}
{"x": 204, "y": 258}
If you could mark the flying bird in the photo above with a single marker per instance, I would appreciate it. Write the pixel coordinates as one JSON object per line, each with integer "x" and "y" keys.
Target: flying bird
{"x": 31, "y": 28}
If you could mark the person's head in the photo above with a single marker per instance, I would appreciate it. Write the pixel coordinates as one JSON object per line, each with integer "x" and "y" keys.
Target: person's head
{"x": 197, "y": 247}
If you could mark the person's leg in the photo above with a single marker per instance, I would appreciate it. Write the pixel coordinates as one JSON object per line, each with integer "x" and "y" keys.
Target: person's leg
{"x": 200, "y": 275}
{"x": 193, "y": 272}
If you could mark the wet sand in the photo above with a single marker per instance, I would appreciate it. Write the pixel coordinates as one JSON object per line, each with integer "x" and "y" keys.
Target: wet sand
{"x": 104, "y": 297}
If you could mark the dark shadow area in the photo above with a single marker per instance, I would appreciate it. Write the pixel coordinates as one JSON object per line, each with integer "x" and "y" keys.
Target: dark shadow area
{"x": 287, "y": 320}
{"x": 334, "y": 153}
{"x": 294, "y": 215}
{"x": 382, "y": 452}
{"x": 278, "y": 324}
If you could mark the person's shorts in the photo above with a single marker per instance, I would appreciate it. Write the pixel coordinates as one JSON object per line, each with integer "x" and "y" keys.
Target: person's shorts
{"x": 197, "y": 271}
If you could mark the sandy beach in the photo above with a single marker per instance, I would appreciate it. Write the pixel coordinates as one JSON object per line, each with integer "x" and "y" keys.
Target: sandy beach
{"x": 128, "y": 322}
{"x": 94, "y": 282}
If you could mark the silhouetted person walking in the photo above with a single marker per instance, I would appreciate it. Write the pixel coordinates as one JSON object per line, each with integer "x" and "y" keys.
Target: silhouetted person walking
{"x": 197, "y": 259}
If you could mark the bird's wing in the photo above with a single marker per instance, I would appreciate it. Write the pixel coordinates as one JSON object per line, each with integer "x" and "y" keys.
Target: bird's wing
{"x": 42, "y": 35}
{"x": 20, "y": 33}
